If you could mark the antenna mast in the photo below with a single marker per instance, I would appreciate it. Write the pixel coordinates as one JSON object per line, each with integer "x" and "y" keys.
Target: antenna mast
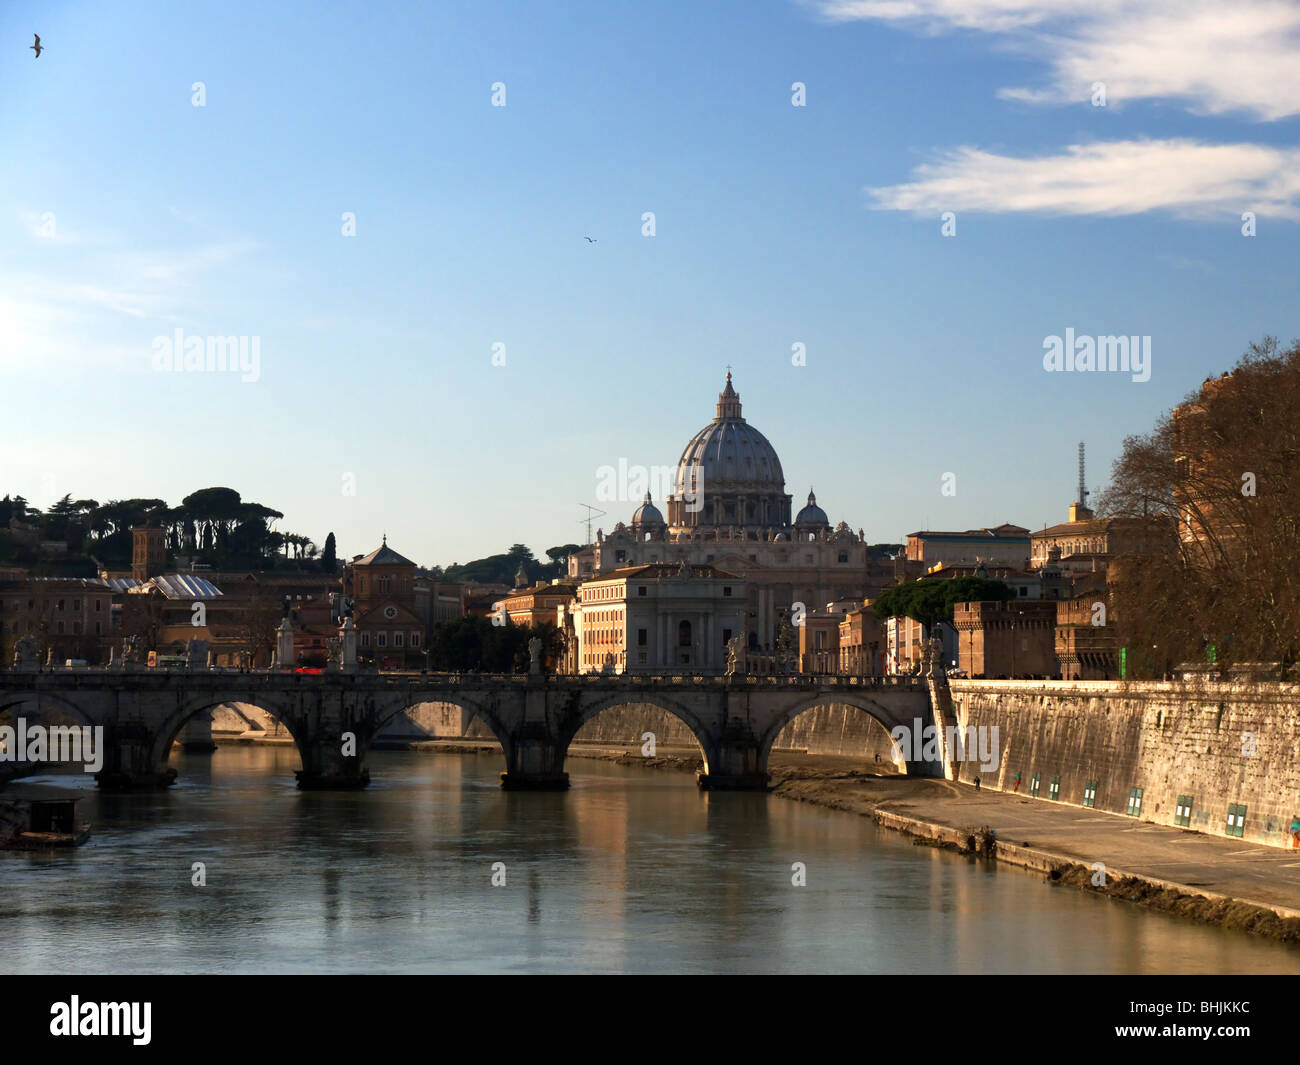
{"x": 592, "y": 512}
{"x": 1083, "y": 492}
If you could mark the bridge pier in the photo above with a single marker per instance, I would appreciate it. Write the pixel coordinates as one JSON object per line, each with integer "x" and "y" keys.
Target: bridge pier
{"x": 346, "y": 779}
{"x": 326, "y": 768}
{"x": 738, "y": 764}
{"x": 126, "y": 780}
{"x": 196, "y": 736}
{"x": 534, "y": 760}
{"x": 129, "y": 761}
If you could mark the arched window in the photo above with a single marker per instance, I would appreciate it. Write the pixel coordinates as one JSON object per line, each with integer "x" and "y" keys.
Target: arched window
{"x": 684, "y": 634}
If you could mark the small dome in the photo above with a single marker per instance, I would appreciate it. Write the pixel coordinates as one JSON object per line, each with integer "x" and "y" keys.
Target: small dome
{"x": 647, "y": 513}
{"x": 812, "y": 514}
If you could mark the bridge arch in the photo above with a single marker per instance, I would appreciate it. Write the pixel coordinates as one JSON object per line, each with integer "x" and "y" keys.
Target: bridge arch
{"x": 190, "y": 707}
{"x": 590, "y": 710}
{"x": 478, "y": 708}
{"x": 885, "y": 716}
{"x": 10, "y": 706}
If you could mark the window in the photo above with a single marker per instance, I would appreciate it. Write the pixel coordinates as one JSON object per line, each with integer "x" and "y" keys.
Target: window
{"x": 684, "y": 634}
{"x": 60, "y": 628}
{"x": 1090, "y": 793}
{"x": 397, "y": 639}
{"x": 1236, "y": 820}
{"x": 76, "y": 628}
{"x": 726, "y": 636}
{"x": 415, "y": 639}
{"x": 1054, "y": 788}
{"x": 844, "y": 556}
{"x": 726, "y": 589}
{"x": 97, "y": 632}
{"x": 1033, "y": 785}
{"x": 641, "y": 637}
{"x": 365, "y": 639}
{"x": 752, "y": 558}
{"x": 620, "y": 556}
{"x": 381, "y": 639}
{"x": 1134, "y": 808}
{"x": 1183, "y": 811}
{"x": 76, "y": 604}
{"x": 641, "y": 658}
{"x": 60, "y": 607}
{"x": 98, "y": 604}
{"x": 1023, "y": 590}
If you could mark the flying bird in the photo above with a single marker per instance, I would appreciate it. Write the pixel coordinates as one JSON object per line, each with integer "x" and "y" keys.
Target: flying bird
{"x": 37, "y": 46}
{"x": 589, "y": 240}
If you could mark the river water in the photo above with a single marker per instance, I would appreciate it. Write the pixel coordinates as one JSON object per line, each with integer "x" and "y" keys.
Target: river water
{"x": 631, "y": 870}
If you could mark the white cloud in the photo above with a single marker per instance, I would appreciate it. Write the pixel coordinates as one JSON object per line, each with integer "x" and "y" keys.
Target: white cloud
{"x": 66, "y": 322}
{"x": 1185, "y": 177}
{"x": 1217, "y": 57}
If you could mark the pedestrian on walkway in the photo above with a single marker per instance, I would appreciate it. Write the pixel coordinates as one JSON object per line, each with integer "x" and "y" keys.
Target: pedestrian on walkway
{"x": 977, "y": 782}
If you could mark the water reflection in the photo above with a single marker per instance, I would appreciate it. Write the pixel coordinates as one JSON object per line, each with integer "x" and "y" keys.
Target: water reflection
{"x": 632, "y": 870}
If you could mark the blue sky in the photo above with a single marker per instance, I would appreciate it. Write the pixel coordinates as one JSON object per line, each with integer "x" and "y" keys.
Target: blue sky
{"x": 127, "y": 212}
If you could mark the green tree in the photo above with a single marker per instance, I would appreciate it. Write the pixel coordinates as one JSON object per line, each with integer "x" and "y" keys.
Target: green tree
{"x": 931, "y": 599}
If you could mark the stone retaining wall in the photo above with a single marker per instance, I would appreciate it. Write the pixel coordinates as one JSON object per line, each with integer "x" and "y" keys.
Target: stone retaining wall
{"x": 1219, "y": 744}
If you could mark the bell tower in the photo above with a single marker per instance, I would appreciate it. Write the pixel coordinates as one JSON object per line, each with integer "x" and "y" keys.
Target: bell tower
{"x": 148, "y": 551}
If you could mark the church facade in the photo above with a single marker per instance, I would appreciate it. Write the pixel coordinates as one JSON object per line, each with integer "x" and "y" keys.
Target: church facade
{"x": 381, "y": 589}
{"x": 729, "y": 509}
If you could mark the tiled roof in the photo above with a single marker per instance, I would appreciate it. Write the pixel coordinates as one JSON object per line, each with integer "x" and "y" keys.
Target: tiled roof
{"x": 658, "y": 570}
{"x": 1001, "y": 532}
{"x": 383, "y": 556}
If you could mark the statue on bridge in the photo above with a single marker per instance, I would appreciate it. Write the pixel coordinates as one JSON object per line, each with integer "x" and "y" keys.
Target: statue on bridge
{"x": 130, "y": 652}
{"x": 27, "y": 650}
{"x": 334, "y": 653}
{"x": 932, "y": 658}
{"x": 197, "y": 654}
{"x": 735, "y": 656}
{"x": 534, "y": 656}
{"x": 785, "y": 647}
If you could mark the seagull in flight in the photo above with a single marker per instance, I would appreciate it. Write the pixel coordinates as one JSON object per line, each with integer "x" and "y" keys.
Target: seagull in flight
{"x": 37, "y": 46}
{"x": 589, "y": 240}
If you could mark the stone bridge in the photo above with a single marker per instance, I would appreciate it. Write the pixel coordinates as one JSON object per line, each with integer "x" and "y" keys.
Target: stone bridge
{"x": 334, "y": 716}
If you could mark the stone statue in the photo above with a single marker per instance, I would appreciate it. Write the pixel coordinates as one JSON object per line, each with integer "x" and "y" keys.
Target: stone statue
{"x": 27, "y": 651}
{"x": 130, "y": 651}
{"x": 348, "y": 634}
{"x": 785, "y": 643}
{"x": 534, "y": 655}
{"x": 932, "y": 661}
{"x": 735, "y": 656}
{"x": 333, "y": 653}
{"x": 196, "y": 653}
